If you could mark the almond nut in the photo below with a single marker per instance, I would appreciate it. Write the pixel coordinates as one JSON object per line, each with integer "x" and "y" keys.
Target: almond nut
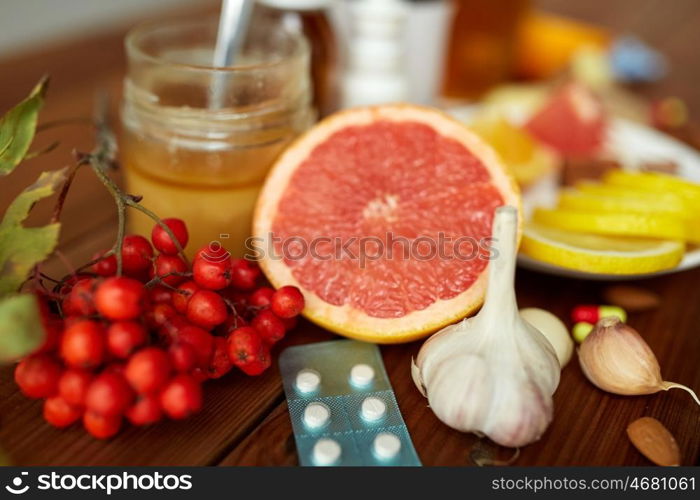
{"x": 654, "y": 441}
{"x": 631, "y": 298}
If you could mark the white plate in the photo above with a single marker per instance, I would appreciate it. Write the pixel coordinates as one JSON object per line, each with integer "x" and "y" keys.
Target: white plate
{"x": 633, "y": 144}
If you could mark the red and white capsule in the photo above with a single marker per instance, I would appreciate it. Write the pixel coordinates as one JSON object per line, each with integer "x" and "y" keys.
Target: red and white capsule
{"x": 593, "y": 313}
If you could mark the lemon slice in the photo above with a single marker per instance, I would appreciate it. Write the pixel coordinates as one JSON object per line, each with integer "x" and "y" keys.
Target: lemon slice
{"x": 599, "y": 254}
{"x": 653, "y": 205}
{"x": 656, "y": 182}
{"x": 625, "y": 224}
{"x": 576, "y": 200}
{"x": 669, "y": 200}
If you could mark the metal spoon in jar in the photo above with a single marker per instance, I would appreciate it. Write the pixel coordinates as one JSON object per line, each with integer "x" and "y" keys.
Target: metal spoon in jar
{"x": 233, "y": 26}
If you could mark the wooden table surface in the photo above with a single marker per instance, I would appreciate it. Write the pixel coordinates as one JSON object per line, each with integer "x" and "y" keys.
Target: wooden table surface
{"x": 245, "y": 420}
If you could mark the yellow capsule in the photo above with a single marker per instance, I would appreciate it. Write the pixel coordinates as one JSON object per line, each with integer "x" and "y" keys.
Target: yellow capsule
{"x": 581, "y": 331}
{"x": 618, "y": 312}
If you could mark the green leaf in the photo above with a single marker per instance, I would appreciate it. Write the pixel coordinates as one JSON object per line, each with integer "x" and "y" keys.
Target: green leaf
{"x": 21, "y": 331}
{"x": 21, "y": 248}
{"x": 17, "y": 128}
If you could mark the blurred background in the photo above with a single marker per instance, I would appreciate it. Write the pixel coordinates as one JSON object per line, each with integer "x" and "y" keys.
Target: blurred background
{"x": 27, "y": 24}
{"x": 28, "y": 27}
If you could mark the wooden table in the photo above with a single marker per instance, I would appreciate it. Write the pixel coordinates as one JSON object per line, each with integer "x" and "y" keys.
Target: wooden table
{"x": 245, "y": 420}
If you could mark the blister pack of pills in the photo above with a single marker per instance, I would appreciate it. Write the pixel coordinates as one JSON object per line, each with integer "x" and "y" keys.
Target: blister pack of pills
{"x": 342, "y": 407}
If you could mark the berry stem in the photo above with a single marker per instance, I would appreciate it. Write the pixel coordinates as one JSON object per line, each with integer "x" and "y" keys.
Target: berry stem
{"x": 232, "y": 306}
{"x": 87, "y": 265}
{"x": 47, "y": 277}
{"x": 121, "y": 209}
{"x": 119, "y": 199}
{"x": 101, "y": 160}
{"x": 158, "y": 280}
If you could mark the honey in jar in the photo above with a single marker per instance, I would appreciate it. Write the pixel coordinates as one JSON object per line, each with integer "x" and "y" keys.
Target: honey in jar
{"x": 201, "y": 161}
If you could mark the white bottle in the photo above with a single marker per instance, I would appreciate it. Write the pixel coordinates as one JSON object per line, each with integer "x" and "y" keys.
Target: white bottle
{"x": 375, "y": 72}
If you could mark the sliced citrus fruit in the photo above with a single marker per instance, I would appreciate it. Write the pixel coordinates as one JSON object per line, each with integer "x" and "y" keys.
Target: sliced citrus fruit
{"x": 599, "y": 254}
{"x": 657, "y": 182}
{"x": 525, "y": 158}
{"x": 354, "y": 212}
{"x": 579, "y": 200}
{"x": 582, "y": 201}
{"x": 642, "y": 225}
{"x": 669, "y": 200}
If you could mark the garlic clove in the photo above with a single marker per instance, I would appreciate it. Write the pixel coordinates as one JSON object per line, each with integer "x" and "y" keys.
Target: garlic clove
{"x": 553, "y": 329}
{"x": 616, "y": 359}
{"x": 417, "y": 379}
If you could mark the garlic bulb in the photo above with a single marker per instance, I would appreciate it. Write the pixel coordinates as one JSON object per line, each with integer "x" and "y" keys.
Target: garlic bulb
{"x": 493, "y": 374}
{"x": 615, "y": 358}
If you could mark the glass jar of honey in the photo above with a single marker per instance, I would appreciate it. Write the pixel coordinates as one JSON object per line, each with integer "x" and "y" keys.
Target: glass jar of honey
{"x": 197, "y": 141}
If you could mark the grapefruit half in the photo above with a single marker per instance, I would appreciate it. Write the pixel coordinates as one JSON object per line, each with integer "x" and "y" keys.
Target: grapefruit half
{"x": 382, "y": 217}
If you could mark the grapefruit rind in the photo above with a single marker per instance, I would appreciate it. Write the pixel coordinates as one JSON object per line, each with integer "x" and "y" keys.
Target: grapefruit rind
{"x": 345, "y": 319}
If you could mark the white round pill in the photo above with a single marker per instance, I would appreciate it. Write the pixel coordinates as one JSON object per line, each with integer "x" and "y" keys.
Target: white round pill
{"x": 386, "y": 445}
{"x": 308, "y": 380}
{"x": 316, "y": 415}
{"x": 361, "y": 375}
{"x": 373, "y": 408}
{"x": 326, "y": 452}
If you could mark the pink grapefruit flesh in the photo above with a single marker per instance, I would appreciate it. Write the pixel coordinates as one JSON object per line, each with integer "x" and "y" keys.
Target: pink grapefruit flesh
{"x": 382, "y": 217}
{"x": 572, "y": 121}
